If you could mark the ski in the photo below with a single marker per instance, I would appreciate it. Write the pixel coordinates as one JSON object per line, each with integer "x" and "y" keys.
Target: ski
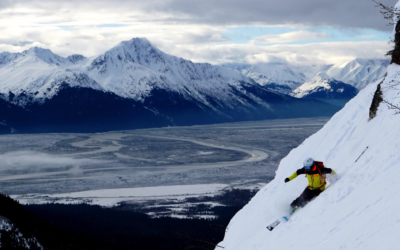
{"x": 278, "y": 221}
{"x": 273, "y": 225}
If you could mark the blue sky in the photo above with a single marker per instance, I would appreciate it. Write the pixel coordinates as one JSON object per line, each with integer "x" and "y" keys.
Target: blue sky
{"x": 243, "y": 35}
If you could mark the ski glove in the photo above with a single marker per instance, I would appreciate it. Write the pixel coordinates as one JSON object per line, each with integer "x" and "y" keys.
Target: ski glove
{"x": 287, "y": 180}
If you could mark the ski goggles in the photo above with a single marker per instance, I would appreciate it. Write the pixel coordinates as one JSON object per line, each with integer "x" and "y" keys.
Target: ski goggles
{"x": 309, "y": 167}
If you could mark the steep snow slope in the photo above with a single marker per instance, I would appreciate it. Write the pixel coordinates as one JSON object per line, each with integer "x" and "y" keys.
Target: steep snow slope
{"x": 321, "y": 86}
{"x": 360, "y": 210}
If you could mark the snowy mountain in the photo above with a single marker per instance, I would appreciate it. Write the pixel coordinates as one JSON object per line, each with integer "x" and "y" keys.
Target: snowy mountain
{"x": 359, "y": 72}
{"x": 359, "y": 210}
{"x": 278, "y": 77}
{"x": 322, "y": 87}
{"x": 131, "y": 85}
{"x": 283, "y": 78}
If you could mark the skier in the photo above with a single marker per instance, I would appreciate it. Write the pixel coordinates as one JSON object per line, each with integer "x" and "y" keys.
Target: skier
{"x": 315, "y": 172}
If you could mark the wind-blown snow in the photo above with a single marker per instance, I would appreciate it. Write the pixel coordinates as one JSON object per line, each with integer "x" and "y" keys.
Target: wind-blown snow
{"x": 361, "y": 210}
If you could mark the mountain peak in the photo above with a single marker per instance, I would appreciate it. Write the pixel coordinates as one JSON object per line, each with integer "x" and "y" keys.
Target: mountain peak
{"x": 360, "y": 71}
{"x": 324, "y": 87}
{"x": 75, "y": 58}
{"x": 137, "y": 50}
{"x": 137, "y": 42}
{"x": 38, "y": 52}
{"x": 134, "y": 45}
{"x": 45, "y": 55}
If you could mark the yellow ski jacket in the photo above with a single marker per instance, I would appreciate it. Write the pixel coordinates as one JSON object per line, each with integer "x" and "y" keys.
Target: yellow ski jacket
{"x": 316, "y": 175}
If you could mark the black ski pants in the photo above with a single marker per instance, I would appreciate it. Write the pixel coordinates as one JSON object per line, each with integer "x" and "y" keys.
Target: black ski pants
{"x": 305, "y": 197}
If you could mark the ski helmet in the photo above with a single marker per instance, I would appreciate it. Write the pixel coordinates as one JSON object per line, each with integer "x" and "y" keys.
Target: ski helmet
{"x": 308, "y": 163}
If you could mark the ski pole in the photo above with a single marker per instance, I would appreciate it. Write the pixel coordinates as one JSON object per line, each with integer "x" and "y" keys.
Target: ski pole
{"x": 361, "y": 154}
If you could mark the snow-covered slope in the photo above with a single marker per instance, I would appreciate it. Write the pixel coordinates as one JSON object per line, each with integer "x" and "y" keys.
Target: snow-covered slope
{"x": 132, "y": 85}
{"x": 271, "y": 73}
{"x": 360, "y": 210}
{"x": 359, "y": 72}
{"x": 133, "y": 68}
{"x": 39, "y": 74}
{"x": 322, "y": 87}
{"x": 130, "y": 70}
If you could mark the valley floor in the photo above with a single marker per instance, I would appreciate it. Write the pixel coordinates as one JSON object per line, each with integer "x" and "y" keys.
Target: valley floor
{"x": 96, "y": 168}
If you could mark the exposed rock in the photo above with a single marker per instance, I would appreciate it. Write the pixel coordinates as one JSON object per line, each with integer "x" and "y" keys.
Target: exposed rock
{"x": 396, "y": 51}
{"x": 375, "y": 102}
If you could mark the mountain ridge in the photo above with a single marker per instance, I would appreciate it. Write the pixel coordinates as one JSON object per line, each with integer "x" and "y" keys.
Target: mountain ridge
{"x": 357, "y": 72}
{"x": 323, "y": 87}
{"x": 135, "y": 85}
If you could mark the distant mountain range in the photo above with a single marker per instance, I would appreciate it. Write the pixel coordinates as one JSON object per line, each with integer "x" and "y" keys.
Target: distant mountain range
{"x": 327, "y": 89}
{"x": 289, "y": 79}
{"x": 133, "y": 85}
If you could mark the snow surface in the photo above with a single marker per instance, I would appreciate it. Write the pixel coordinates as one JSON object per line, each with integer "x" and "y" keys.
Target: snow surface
{"x": 360, "y": 210}
{"x": 317, "y": 82}
{"x": 132, "y": 69}
{"x": 324, "y": 86}
{"x": 266, "y": 73}
{"x": 358, "y": 72}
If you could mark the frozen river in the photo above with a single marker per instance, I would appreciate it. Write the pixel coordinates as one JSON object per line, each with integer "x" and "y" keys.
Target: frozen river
{"x": 235, "y": 154}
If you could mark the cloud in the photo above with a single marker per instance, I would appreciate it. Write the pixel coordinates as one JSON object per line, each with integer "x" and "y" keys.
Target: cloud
{"x": 200, "y": 37}
{"x": 21, "y": 43}
{"x": 6, "y": 4}
{"x": 316, "y": 53}
{"x": 366, "y": 36}
{"x": 289, "y": 37}
{"x": 194, "y": 30}
{"x": 93, "y": 40}
{"x": 338, "y": 13}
